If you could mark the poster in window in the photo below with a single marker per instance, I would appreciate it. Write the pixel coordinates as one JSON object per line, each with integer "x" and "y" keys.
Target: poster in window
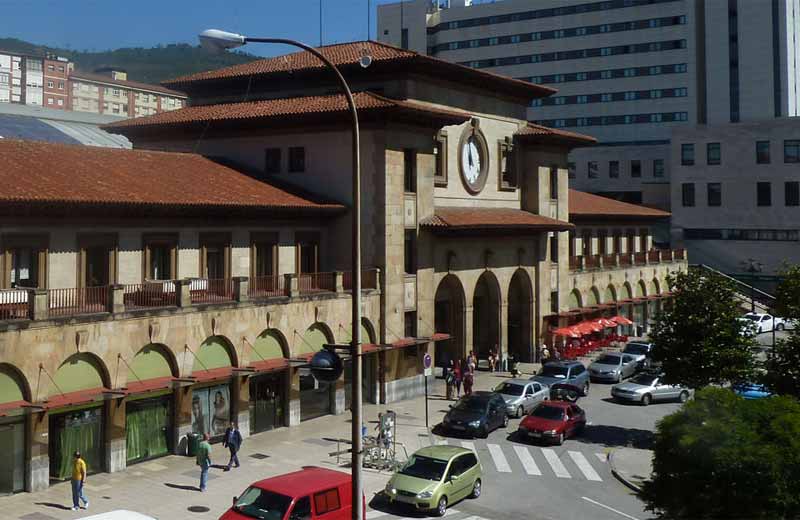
{"x": 200, "y": 419}
{"x": 221, "y": 409}
{"x": 211, "y": 410}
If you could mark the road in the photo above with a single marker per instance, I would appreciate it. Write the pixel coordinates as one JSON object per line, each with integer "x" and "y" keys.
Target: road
{"x": 566, "y": 482}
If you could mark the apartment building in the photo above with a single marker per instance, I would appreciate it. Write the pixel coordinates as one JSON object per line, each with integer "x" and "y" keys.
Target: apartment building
{"x": 112, "y": 93}
{"x": 56, "y": 83}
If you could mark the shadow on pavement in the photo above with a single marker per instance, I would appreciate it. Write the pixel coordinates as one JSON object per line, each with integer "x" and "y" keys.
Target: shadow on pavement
{"x": 615, "y": 436}
{"x": 182, "y": 487}
{"x": 380, "y": 503}
{"x": 54, "y": 506}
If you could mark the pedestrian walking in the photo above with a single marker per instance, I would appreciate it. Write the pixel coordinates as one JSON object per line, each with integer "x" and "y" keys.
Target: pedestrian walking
{"x": 232, "y": 441}
{"x": 472, "y": 362}
{"x": 459, "y": 376}
{"x": 545, "y": 354}
{"x": 450, "y": 380}
{"x": 493, "y": 359}
{"x": 468, "y": 383}
{"x": 204, "y": 460}
{"x": 78, "y": 480}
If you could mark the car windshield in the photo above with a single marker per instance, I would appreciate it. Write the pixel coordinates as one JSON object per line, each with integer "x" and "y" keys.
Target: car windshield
{"x": 424, "y": 467}
{"x": 608, "y": 360}
{"x": 635, "y": 348}
{"x": 549, "y": 412}
{"x": 471, "y": 404}
{"x": 554, "y": 371}
{"x": 262, "y": 504}
{"x": 510, "y": 389}
{"x": 644, "y": 379}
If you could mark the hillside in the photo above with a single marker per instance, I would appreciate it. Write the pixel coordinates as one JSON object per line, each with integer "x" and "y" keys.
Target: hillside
{"x": 152, "y": 65}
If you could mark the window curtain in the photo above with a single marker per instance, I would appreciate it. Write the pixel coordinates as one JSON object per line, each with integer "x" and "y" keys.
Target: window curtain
{"x": 147, "y": 431}
{"x": 84, "y": 434}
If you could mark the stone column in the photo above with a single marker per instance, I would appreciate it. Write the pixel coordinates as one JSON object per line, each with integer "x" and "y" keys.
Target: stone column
{"x": 116, "y": 451}
{"x": 183, "y": 419}
{"x": 503, "y": 333}
{"x": 338, "y": 397}
{"x": 241, "y": 289}
{"x": 468, "y": 329}
{"x": 183, "y": 294}
{"x": 290, "y": 285}
{"x": 582, "y": 262}
{"x": 241, "y": 398}
{"x": 38, "y": 306}
{"x": 37, "y": 476}
{"x": 338, "y": 282}
{"x": 116, "y": 298}
{"x": 293, "y": 410}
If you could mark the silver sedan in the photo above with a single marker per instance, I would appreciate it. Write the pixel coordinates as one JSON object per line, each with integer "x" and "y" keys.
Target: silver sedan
{"x": 613, "y": 367}
{"x": 647, "y": 388}
{"x": 522, "y": 395}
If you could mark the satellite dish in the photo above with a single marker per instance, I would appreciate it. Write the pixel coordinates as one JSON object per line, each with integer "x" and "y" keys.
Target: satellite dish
{"x": 365, "y": 60}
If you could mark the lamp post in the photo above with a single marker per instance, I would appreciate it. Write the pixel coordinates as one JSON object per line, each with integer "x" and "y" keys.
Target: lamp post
{"x": 219, "y": 41}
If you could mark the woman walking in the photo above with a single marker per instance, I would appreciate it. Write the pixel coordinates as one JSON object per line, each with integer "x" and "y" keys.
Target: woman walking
{"x": 468, "y": 383}
{"x": 457, "y": 374}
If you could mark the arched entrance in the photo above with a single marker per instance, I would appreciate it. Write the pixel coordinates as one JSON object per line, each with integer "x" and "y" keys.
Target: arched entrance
{"x": 520, "y": 327}
{"x": 148, "y": 419}
{"x": 211, "y": 404}
{"x": 449, "y": 319}
{"x": 611, "y": 294}
{"x": 486, "y": 315}
{"x": 575, "y": 300}
{"x": 316, "y": 397}
{"x": 268, "y": 390}
{"x": 593, "y": 297}
{"x": 12, "y": 431}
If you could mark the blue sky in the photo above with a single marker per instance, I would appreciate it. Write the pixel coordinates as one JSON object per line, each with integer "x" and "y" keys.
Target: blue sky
{"x": 110, "y": 24}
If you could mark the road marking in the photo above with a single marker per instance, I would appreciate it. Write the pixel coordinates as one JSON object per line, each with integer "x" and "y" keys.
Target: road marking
{"x": 610, "y": 508}
{"x": 527, "y": 460}
{"x": 499, "y": 458}
{"x": 555, "y": 463}
{"x": 602, "y": 456}
{"x": 584, "y": 466}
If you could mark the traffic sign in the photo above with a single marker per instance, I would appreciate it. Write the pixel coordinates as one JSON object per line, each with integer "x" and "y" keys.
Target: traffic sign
{"x": 427, "y": 361}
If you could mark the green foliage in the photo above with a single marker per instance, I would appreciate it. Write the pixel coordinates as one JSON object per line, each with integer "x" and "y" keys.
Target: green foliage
{"x": 152, "y": 65}
{"x": 722, "y": 456}
{"x": 787, "y": 295}
{"x": 783, "y": 360}
{"x": 698, "y": 336}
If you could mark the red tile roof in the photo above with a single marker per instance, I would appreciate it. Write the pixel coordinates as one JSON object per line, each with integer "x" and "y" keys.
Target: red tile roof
{"x": 135, "y": 85}
{"x": 587, "y": 205}
{"x": 288, "y": 110}
{"x": 49, "y": 175}
{"x": 538, "y": 133}
{"x": 471, "y": 219}
{"x": 346, "y": 55}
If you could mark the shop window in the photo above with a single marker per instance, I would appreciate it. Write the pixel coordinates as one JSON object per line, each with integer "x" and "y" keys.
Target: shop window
{"x": 410, "y": 251}
{"x": 307, "y": 245}
{"x": 161, "y": 257}
{"x": 24, "y": 261}
{"x": 714, "y": 193}
{"x": 272, "y": 160}
{"x": 215, "y": 255}
{"x": 297, "y": 159}
{"x": 762, "y": 152}
{"x": 792, "y": 193}
{"x": 764, "y": 194}
{"x": 410, "y": 170}
{"x": 440, "y": 159}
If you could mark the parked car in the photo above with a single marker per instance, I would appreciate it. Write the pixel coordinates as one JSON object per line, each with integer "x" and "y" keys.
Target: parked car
{"x": 751, "y": 391}
{"x": 614, "y": 367}
{"x": 641, "y": 351}
{"x": 646, "y": 388}
{"x": 570, "y": 372}
{"x": 435, "y": 478}
{"x": 307, "y": 494}
{"x": 763, "y": 322}
{"x": 552, "y": 421}
{"x": 478, "y": 414}
{"x": 521, "y": 395}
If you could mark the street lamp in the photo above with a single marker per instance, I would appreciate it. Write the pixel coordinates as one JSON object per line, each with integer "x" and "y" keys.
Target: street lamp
{"x": 219, "y": 41}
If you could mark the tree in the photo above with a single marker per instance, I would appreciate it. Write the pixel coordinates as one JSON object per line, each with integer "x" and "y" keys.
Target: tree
{"x": 698, "y": 337}
{"x": 782, "y": 374}
{"x": 722, "y": 456}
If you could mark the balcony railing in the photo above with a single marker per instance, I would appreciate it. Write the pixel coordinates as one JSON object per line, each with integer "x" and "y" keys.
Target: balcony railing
{"x": 680, "y": 254}
{"x": 14, "y": 304}
{"x": 76, "y": 301}
{"x": 369, "y": 279}
{"x": 204, "y": 290}
{"x": 309, "y": 283}
{"x": 653, "y": 256}
{"x": 574, "y": 263}
{"x": 609, "y": 261}
{"x": 640, "y": 258}
{"x": 150, "y": 295}
{"x": 592, "y": 261}
{"x": 267, "y": 287}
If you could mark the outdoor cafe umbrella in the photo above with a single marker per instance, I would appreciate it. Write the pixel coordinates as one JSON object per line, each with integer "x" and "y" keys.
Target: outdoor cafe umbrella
{"x": 622, "y": 320}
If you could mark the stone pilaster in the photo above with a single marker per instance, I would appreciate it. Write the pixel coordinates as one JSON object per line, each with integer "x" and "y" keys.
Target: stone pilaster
{"x": 116, "y": 298}
{"x": 116, "y": 446}
{"x": 38, "y": 307}
{"x": 293, "y": 410}
{"x": 183, "y": 294}
{"x": 37, "y": 477}
{"x": 241, "y": 288}
{"x": 290, "y": 285}
{"x": 241, "y": 400}
{"x": 183, "y": 418}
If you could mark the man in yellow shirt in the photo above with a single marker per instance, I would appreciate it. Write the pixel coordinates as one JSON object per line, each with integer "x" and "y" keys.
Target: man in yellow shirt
{"x": 78, "y": 479}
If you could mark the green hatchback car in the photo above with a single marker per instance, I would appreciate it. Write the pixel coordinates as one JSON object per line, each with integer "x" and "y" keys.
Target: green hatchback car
{"x": 436, "y": 477}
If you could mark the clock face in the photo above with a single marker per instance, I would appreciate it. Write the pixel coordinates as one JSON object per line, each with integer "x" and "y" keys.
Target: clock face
{"x": 473, "y": 162}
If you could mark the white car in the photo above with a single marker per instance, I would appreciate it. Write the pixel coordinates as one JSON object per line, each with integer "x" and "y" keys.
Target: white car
{"x": 763, "y": 322}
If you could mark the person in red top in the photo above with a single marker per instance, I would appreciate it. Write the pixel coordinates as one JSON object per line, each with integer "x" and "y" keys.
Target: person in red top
{"x": 458, "y": 378}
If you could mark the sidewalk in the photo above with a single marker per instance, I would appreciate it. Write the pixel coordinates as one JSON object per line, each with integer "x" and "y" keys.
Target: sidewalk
{"x": 166, "y": 488}
{"x": 631, "y": 466}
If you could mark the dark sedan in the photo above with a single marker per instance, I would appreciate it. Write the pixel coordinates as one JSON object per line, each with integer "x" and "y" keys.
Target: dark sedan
{"x": 477, "y": 414}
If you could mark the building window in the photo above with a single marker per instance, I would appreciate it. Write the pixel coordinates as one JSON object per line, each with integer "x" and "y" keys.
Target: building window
{"x": 613, "y": 169}
{"x": 762, "y": 152}
{"x": 49, "y": 101}
{"x": 554, "y": 248}
{"x": 592, "y": 169}
{"x": 410, "y": 251}
{"x": 792, "y": 193}
{"x": 571, "y": 169}
{"x": 160, "y": 257}
{"x": 554, "y": 182}
{"x": 307, "y": 246}
{"x": 687, "y": 192}
{"x": 687, "y": 154}
{"x": 636, "y": 168}
{"x": 297, "y": 159}
{"x": 791, "y": 151}
{"x": 440, "y": 160}
{"x": 272, "y": 160}
{"x": 713, "y": 154}
{"x": 508, "y": 178}
{"x": 554, "y": 302}
{"x": 25, "y": 261}
{"x": 658, "y": 168}
{"x": 264, "y": 254}
{"x": 714, "y": 193}
{"x": 410, "y": 325}
{"x": 764, "y": 194}
{"x": 410, "y": 170}
{"x": 215, "y": 255}
{"x": 50, "y": 84}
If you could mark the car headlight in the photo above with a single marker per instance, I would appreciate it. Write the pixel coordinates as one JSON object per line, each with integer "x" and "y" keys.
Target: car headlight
{"x": 475, "y": 424}
{"x": 425, "y": 494}
{"x": 550, "y": 432}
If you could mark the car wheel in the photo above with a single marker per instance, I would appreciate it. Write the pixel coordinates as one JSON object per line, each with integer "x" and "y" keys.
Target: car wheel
{"x": 476, "y": 489}
{"x": 441, "y": 507}
{"x": 586, "y": 388}
{"x": 683, "y": 397}
{"x": 647, "y": 399}
{"x": 779, "y": 327}
{"x": 505, "y": 421}
{"x": 520, "y": 412}
{"x": 560, "y": 439}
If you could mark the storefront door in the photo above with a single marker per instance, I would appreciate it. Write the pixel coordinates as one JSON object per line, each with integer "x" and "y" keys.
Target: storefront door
{"x": 76, "y": 430}
{"x": 267, "y": 398}
{"x": 149, "y": 428}
{"x": 12, "y": 471}
{"x": 315, "y": 396}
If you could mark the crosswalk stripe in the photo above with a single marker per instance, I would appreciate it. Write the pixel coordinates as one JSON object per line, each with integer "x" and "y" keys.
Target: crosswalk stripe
{"x": 527, "y": 460}
{"x": 375, "y": 514}
{"x": 583, "y": 465}
{"x": 555, "y": 463}
{"x": 602, "y": 456}
{"x": 473, "y": 518}
{"x": 499, "y": 459}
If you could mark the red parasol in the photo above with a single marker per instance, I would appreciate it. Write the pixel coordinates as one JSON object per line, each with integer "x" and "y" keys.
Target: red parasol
{"x": 622, "y": 320}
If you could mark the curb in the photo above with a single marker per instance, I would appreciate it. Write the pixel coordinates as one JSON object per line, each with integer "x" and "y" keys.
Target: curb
{"x": 619, "y": 475}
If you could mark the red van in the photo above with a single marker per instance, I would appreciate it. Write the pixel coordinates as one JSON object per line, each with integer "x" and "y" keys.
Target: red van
{"x": 307, "y": 494}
